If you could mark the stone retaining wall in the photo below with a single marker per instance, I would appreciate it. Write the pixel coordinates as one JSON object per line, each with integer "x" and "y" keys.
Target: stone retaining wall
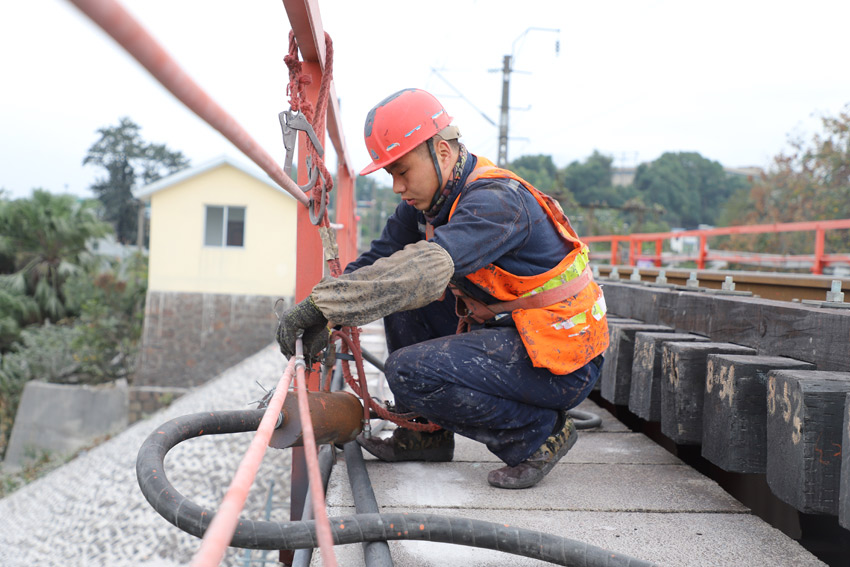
{"x": 189, "y": 338}
{"x": 60, "y": 419}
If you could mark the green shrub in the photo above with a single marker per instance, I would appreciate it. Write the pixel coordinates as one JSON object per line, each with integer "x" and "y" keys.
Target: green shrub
{"x": 111, "y": 314}
{"x": 43, "y": 353}
{"x": 99, "y": 346}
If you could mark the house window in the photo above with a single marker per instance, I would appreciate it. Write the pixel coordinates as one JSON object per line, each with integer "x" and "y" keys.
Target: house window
{"x": 225, "y": 226}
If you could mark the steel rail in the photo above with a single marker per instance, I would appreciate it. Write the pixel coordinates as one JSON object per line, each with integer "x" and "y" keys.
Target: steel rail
{"x": 768, "y": 285}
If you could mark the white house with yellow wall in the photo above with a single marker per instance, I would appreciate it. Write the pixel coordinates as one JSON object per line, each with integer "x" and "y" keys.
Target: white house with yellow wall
{"x": 222, "y": 252}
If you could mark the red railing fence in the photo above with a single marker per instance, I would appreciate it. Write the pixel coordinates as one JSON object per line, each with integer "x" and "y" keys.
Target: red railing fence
{"x": 817, "y": 260}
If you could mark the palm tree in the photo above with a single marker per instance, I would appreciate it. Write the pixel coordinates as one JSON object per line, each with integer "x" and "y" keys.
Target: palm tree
{"x": 16, "y": 311}
{"x": 47, "y": 236}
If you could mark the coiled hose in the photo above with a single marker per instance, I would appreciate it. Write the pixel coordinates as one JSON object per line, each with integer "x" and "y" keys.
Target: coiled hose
{"x": 194, "y": 519}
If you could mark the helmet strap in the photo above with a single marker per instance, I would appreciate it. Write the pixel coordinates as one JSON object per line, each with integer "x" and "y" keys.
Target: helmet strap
{"x": 433, "y": 153}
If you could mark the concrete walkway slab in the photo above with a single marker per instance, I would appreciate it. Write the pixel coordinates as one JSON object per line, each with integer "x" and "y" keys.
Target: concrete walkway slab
{"x": 657, "y": 488}
{"x": 591, "y": 448}
{"x": 615, "y": 489}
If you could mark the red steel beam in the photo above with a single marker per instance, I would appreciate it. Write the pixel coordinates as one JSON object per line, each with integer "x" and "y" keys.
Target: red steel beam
{"x": 306, "y": 22}
{"x": 308, "y": 253}
{"x": 309, "y": 262}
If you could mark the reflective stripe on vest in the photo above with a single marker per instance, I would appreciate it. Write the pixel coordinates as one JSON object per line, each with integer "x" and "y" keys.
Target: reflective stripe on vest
{"x": 562, "y": 336}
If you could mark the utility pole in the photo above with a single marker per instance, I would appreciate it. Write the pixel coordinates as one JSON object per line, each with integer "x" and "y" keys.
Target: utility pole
{"x": 504, "y": 115}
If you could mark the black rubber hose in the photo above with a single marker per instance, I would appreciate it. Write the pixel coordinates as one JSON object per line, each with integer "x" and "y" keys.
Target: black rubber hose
{"x": 376, "y": 553}
{"x": 584, "y": 419}
{"x": 194, "y": 519}
{"x": 327, "y": 456}
{"x": 372, "y": 359}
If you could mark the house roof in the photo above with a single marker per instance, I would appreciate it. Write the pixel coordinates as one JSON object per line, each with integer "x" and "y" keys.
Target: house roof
{"x": 144, "y": 193}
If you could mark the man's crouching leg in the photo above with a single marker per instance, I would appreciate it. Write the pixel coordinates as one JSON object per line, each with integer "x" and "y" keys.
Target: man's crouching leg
{"x": 532, "y": 470}
{"x": 409, "y": 445}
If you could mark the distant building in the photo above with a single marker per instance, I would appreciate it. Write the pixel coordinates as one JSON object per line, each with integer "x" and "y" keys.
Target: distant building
{"x": 684, "y": 245}
{"x": 109, "y": 247}
{"x": 744, "y": 171}
{"x": 222, "y": 252}
{"x": 624, "y": 176}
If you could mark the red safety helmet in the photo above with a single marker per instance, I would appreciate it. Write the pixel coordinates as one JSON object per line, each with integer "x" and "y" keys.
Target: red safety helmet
{"x": 399, "y": 123}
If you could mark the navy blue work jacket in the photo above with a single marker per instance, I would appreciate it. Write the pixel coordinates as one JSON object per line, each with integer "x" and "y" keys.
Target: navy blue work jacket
{"x": 496, "y": 221}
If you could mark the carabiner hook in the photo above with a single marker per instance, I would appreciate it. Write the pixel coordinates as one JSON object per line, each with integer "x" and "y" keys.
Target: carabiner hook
{"x": 313, "y": 172}
{"x": 317, "y": 218}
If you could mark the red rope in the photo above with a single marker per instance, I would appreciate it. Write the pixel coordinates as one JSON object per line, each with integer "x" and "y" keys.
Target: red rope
{"x": 298, "y": 101}
{"x": 350, "y": 336}
{"x": 352, "y": 344}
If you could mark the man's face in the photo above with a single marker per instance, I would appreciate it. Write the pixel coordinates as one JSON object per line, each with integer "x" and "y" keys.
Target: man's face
{"x": 414, "y": 179}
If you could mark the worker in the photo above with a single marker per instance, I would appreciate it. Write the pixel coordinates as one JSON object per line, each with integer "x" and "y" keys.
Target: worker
{"x": 518, "y": 338}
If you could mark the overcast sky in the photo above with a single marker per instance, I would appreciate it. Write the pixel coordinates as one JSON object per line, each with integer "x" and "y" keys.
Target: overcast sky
{"x": 632, "y": 79}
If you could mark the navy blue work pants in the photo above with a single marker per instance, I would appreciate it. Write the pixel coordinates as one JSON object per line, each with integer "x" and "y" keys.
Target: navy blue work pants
{"x": 480, "y": 384}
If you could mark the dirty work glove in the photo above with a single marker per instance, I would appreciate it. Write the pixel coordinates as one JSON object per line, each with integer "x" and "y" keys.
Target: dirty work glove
{"x": 304, "y": 317}
{"x": 409, "y": 278}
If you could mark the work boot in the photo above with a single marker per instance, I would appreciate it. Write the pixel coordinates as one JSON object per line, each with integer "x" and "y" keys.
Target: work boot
{"x": 532, "y": 470}
{"x": 409, "y": 445}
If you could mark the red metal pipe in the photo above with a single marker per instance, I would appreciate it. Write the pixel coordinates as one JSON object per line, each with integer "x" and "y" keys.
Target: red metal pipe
{"x": 223, "y": 525}
{"x": 317, "y": 496}
{"x": 129, "y": 33}
{"x": 728, "y": 230}
{"x": 751, "y": 229}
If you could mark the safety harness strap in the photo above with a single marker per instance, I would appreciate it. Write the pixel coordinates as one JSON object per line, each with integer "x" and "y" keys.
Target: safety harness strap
{"x": 480, "y": 312}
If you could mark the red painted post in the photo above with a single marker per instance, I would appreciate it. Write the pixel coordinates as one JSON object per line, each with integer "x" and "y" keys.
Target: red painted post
{"x": 703, "y": 250}
{"x": 308, "y": 256}
{"x": 817, "y": 266}
{"x": 613, "y": 251}
{"x": 346, "y": 215}
{"x": 632, "y": 243}
{"x": 309, "y": 262}
{"x": 659, "y": 248}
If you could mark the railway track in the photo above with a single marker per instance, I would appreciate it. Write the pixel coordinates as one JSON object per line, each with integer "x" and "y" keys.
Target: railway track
{"x": 768, "y": 285}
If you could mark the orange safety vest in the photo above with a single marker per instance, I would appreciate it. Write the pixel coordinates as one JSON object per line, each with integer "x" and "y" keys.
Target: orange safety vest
{"x": 560, "y": 314}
